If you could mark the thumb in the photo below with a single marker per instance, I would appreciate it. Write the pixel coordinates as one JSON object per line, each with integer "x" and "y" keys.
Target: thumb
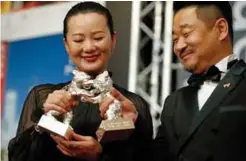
{"x": 78, "y": 137}
{"x": 117, "y": 95}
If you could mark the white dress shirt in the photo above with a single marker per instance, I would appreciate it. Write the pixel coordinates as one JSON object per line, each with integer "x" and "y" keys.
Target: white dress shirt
{"x": 208, "y": 86}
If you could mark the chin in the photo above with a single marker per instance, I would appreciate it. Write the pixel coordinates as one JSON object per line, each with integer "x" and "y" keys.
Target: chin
{"x": 90, "y": 67}
{"x": 190, "y": 67}
{"x": 92, "y": 70}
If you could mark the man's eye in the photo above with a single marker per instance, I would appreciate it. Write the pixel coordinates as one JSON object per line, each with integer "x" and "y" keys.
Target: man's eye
{"x": 175, "y": 41}
{"x": 98, "y": 38}
{"x": 186, "y": 34}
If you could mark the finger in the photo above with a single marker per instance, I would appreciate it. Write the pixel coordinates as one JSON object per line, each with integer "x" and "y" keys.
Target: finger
{"x": 65, "y": 143}
{"x": 103, "y": 107}
{"x": 53, "y": 137}
{"x": 56, "y": 138}
{"x": 57, "y": 100}
{"x": 60, "y": 145}
{"x": 129, "y": 110}
{"x": 71, "y": 99}
{"x": 131, "y": 116}
{"x": 62, "y": 101}
{"x": 74, "y": 103}
{"x": 61, "y": 98}
{"x": 48, "y": 107}
{"x": 86, "y": 99}
{"x": 117, "y": 95}
{"x": 78, "y": 137}
{"x": 65, "y": 152}
{"x": 72, "y": 145}
{"x": 106, "y": 101}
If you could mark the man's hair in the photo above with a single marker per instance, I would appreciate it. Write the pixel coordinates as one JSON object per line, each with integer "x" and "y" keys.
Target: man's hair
{"x": 88, "y": 7}
{"x": 223, "y": 7}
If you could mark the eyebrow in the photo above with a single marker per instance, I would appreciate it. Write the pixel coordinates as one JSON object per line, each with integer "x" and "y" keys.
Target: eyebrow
{"x": 80, "y": 34}
{"x": 183, "y": 26}
{"x": 77, "y": 34}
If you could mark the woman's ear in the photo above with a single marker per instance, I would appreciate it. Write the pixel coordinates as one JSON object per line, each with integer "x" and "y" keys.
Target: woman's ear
{"x": 113, "y": 41}
{"x": 66, "y": 44}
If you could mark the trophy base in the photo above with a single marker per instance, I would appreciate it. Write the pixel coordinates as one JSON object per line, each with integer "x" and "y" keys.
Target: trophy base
{"x": 115, "y": 130}
{"x": 51, "y": 125}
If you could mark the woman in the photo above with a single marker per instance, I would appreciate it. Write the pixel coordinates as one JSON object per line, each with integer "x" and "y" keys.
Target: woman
{"x": 89, "y": 40}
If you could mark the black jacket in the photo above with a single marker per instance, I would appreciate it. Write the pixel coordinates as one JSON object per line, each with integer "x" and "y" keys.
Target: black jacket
{"x": 217, "y": 132}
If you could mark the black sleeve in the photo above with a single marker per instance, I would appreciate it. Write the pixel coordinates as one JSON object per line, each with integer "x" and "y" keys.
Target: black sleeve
{"x": 33, "y": 107}
{"x": 161, "y": 147}
{"x": 143, "y": 135}
{"x": 143, "y": 124}
{"x": 28, "y": 145}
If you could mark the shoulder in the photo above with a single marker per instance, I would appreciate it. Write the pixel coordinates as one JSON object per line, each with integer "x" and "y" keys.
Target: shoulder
{"x": 177, "y": 92}
{"x": 172, "y": 100}
{"x": 45, "y": 89}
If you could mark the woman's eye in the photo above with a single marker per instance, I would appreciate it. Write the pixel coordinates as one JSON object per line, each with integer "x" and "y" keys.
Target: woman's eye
{"x": 78, "y": 41}
{"x": 98, "y": 38}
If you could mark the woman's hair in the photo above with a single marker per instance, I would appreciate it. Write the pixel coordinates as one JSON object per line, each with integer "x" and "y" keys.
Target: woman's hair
{"x": 88, "y": 7}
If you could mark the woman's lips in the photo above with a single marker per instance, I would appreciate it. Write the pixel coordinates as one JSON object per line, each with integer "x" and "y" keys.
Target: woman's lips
{"x": 90, "y": 58}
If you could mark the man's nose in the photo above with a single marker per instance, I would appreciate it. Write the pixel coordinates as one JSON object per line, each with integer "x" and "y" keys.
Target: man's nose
{"x": 180, "y": 45}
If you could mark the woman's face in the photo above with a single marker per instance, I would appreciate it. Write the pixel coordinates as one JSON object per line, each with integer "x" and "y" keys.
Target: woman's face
{"x": 89, "y": 42}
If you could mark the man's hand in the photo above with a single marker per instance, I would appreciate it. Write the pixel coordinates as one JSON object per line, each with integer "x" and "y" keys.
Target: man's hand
{"x": 79, "y": 147}
{"x": 60, "y": 101}
{"x": 128, "y": 108}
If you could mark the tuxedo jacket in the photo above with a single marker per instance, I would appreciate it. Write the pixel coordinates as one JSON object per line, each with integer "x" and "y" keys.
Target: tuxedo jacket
{"x": 215, "y": 133}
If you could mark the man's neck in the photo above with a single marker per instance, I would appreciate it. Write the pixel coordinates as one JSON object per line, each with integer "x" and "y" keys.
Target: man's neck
{"x": 218, "y": 57}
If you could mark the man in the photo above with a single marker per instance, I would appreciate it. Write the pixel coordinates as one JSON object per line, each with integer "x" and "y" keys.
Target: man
{"x": 206, "y": 120}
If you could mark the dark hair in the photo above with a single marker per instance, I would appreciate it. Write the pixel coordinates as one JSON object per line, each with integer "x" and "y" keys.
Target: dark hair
{"x": 88, "y": 7}
{"x": 223, "y": 6}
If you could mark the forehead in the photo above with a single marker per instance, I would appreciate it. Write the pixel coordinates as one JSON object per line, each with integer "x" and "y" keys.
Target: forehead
{"x": 185, "y": 18}
{"x": 87, "y": 20}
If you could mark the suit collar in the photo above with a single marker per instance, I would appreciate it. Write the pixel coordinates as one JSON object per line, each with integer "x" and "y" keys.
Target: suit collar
{"x": 226, "y": 85}
{"x": 238, "y": 68}
{"x": 222, "y": 65}
{"x": 186, "y": 109}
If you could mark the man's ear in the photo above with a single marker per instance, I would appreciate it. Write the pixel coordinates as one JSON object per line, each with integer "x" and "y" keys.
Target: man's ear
{"x": 222, "y": 28}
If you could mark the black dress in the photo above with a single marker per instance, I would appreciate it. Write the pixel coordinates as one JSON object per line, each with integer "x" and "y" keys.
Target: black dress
{"x": 29, "y": 145}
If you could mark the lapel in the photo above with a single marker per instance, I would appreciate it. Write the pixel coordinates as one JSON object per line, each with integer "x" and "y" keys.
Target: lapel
{"x": 226, "y": 85}
{"x": 187, "y": 106}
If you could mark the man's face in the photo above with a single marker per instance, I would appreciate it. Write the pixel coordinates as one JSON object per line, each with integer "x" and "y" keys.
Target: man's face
{"x": 193, "y": 41}
{"x": 89, "y": 42}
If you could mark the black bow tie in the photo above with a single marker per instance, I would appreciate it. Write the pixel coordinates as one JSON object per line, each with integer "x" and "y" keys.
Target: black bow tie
{"x": 213, "y": 74}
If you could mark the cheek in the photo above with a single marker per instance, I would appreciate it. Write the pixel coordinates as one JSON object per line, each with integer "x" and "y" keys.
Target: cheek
{"x": 74, "y": 49}
{"x": 194, "y": 41}
{"x": 105, "y": 47}
{"x": 198, "y": 45}
{"x": 175, "y": 52}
